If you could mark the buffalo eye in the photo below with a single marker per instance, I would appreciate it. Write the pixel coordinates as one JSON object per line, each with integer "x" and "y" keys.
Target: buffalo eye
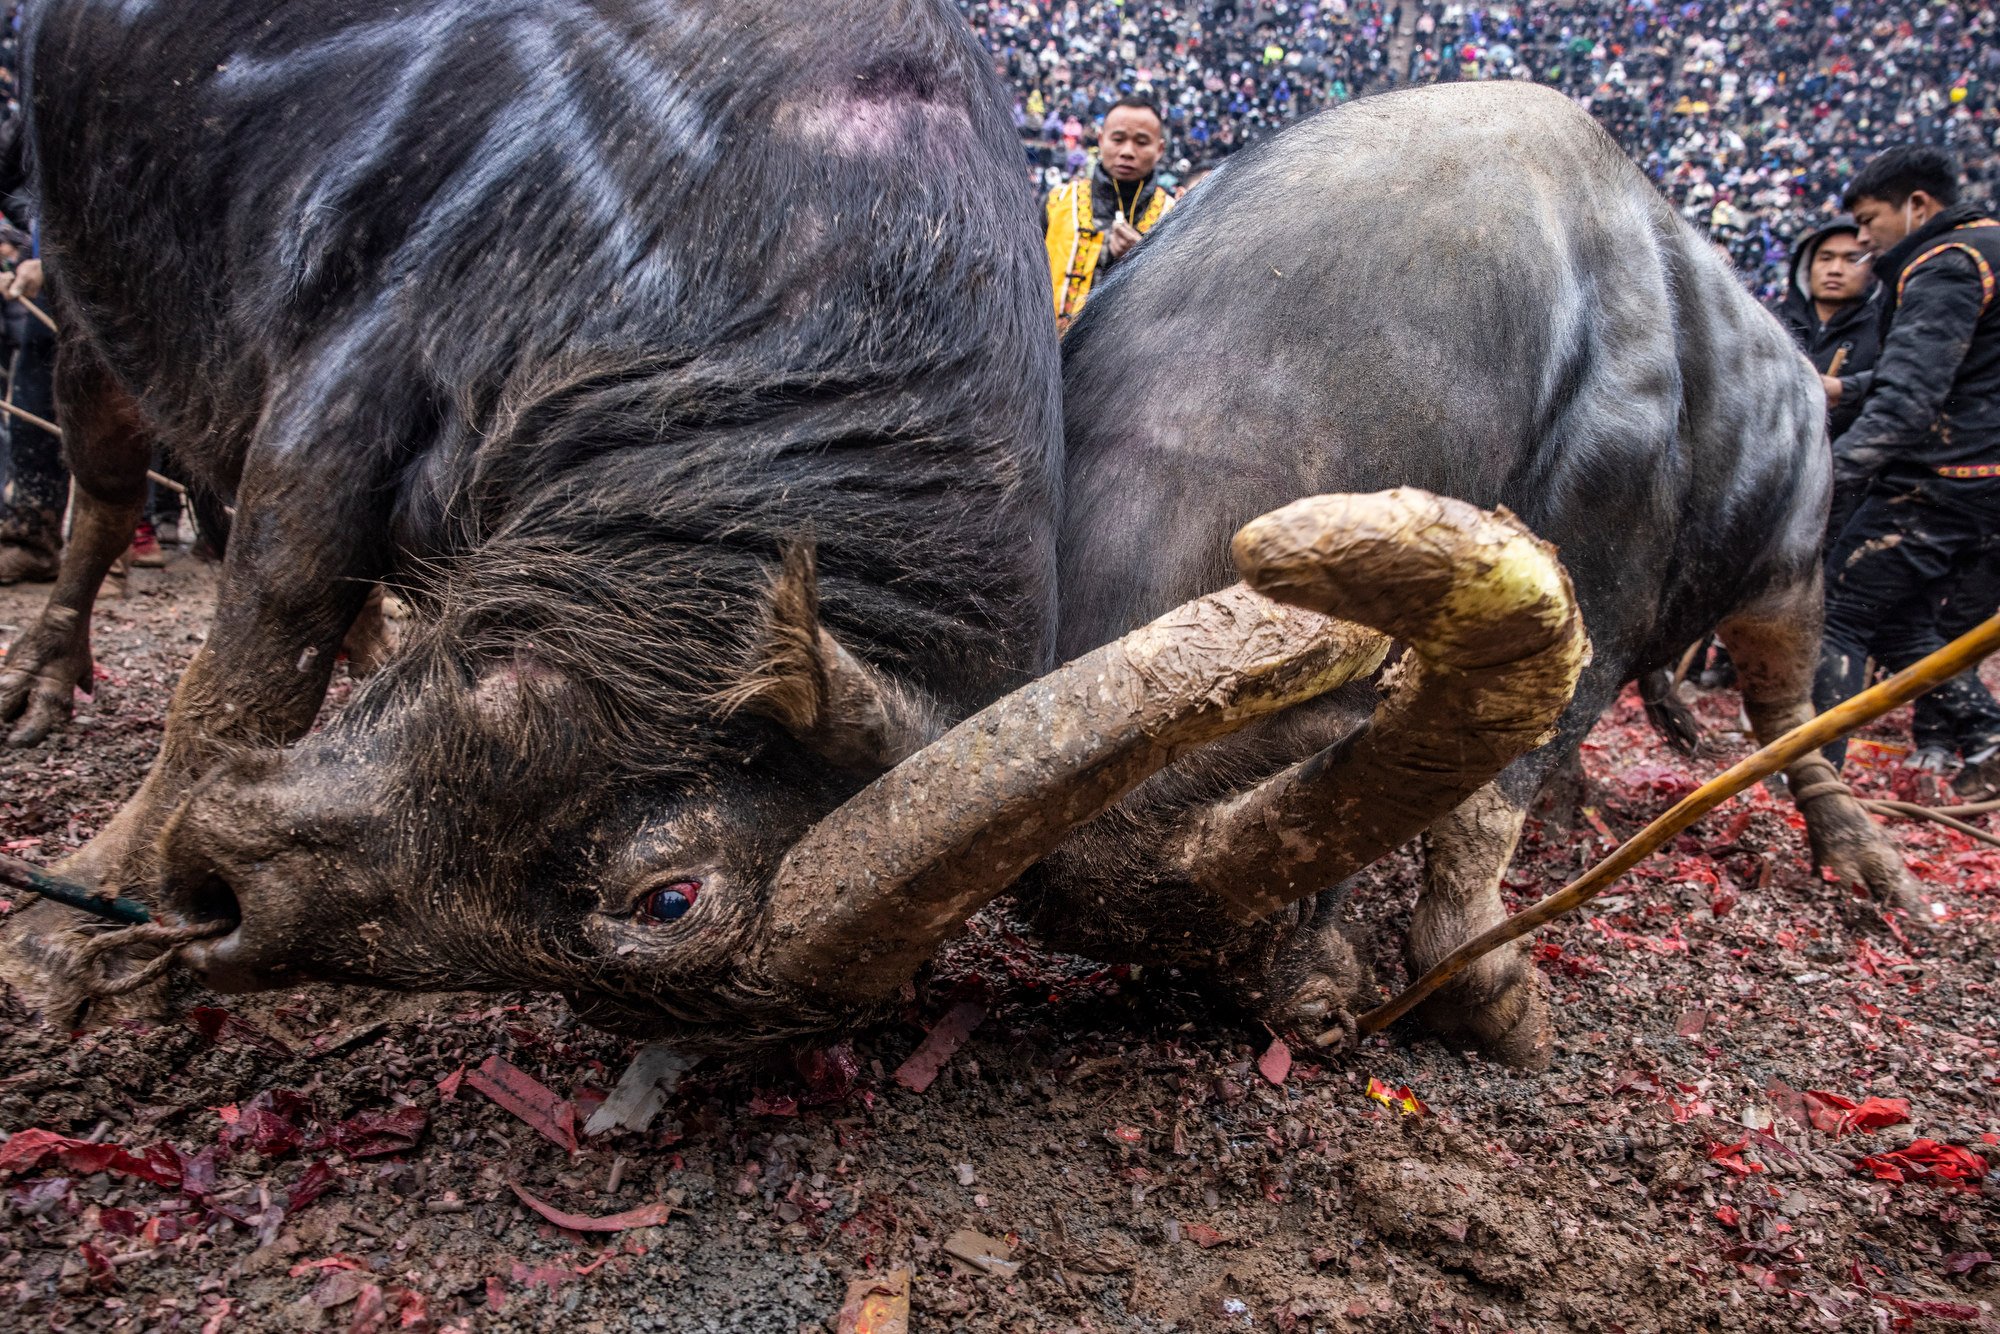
{"x": 669, "y": 902}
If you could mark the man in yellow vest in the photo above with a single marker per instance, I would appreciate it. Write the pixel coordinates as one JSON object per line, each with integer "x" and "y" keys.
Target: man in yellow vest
{"x": 1090, "y": 223}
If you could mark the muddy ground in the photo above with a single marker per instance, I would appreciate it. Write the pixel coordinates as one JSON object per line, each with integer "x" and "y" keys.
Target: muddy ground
{"x": 1150, "y": 1163}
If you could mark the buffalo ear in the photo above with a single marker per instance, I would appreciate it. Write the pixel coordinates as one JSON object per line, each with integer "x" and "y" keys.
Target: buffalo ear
{"x": 832, "y": 703}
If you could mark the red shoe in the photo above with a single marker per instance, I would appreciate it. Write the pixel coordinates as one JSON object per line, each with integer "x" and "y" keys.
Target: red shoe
{"x": 145, "y": 552}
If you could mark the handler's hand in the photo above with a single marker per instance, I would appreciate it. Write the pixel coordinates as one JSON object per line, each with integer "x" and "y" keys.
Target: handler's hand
{"x": 26, "y": 281}
{"x": 1123, "y": 237}
{"x": 1831, "y": 383}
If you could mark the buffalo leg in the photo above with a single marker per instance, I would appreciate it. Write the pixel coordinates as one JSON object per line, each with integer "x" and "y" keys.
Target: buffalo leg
{"x": 1775, "y": 645}
{"x": 108, "y": 448}
{"x": 1497, "y": 1002}
{"x": 301, "y": 562}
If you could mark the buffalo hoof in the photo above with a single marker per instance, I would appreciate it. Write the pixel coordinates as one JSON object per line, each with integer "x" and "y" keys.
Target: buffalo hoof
{"x": 1669, "y": 713}
{"x": 42, "y": 958}
{"x": 1497, "y": 1006}
{"x": 1857, "y": 852}
{"x": 44, "y": 670}
{"x": 1308, "y": 981}
{"x": 373, "y": 638}
{"x": 1979, "y": 780}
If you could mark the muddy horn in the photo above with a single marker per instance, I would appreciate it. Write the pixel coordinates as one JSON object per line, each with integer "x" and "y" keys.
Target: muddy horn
{"x": 872, "y": 890}
{"x": 1495, "y": 646}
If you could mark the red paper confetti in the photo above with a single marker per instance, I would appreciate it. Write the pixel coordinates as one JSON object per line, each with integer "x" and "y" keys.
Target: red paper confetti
{"x": 1928, "y": 1161}
{"x": 267, "y": 1124}
{"x": 1730, "y": 1157}
{"x": 372, "y": 1134}
{"x": 1400, "y": 1097}
{"x": 219, "y": 1026}
{"x": 160, "y": 1164}
{"x": 1837, "y": 1115}
{"x": 1276, "y": 1062}
{"x": 950, "y": 1033}
{"x": 766, "y": 1104}
{"x": 646, "y": 1215}
{"x": 830, "y": 1073}
{"x": 527, "y": 1098}
{"x": 314, "y": 1182}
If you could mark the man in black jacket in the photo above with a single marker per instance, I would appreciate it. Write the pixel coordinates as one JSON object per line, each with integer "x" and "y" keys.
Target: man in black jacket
{"x": 1832, "y": 308}
{"x": 1925, "y": 448}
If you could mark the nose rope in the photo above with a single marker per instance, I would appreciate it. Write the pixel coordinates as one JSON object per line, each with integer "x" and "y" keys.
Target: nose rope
{"x": 135, "y": 927}
{"x": 98, "y": 984}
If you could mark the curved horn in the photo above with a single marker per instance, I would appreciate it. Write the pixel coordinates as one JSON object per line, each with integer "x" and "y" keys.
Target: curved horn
{"x": 869, "y": 893}
{"x": 1495, "y": 648}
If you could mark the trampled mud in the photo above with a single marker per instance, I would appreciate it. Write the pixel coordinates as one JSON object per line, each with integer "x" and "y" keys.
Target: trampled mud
{"x": 1120, "y": 1154}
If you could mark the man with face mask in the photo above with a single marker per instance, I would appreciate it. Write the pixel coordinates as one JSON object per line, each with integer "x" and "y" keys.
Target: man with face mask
{"x": 1923, "y": 453}
{"x": 1091, "y": 223}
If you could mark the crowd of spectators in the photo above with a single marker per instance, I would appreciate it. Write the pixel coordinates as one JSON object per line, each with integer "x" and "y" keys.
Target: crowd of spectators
{"x": 1750, "y": 114}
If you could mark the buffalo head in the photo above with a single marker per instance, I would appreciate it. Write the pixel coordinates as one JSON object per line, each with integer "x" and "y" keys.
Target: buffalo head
{"x": 814, "y": 839}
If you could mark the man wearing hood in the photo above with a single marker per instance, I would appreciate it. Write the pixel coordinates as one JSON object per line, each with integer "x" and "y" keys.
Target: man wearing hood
{"x": 1089, "y": 224}
{"x": 1924, "y": 450}
{"x": 1832, "y": 307}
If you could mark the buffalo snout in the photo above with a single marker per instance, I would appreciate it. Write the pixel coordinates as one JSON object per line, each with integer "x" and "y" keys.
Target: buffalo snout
{"x": 276, "y": 855}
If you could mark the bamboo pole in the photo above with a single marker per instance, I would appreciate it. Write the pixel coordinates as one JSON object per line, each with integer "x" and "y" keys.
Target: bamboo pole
{"x": 1910, "y": 810}
{"x": 1835, "y": 723}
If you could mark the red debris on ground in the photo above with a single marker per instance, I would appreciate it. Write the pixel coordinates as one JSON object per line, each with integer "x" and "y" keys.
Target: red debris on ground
{"x": 1929, "y": 1161}
{"x": 1276, "y": 1062}
{"x": 528, "y": 1098}
{"x": 161, "y": 1164}
{"x": 645, "y": 1215}
{"x": 1837, "y": 1115}
{"x": 950, "y": 1032}
{"x": 1117, "y": 1129}
{"x": 219, "y": 1025}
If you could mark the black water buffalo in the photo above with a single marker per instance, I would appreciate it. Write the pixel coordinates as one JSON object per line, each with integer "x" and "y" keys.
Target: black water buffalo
{"x": 1466, "y": 288}
{"x": 689, "y": 365}
{"x": 570, "y": 319}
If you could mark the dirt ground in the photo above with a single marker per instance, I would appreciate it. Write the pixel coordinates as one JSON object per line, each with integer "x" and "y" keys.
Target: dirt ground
{"x": 321, "y": 1160}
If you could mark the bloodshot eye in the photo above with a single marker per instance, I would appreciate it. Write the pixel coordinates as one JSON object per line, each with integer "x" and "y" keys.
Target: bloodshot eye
{"x": 670, "y": 902}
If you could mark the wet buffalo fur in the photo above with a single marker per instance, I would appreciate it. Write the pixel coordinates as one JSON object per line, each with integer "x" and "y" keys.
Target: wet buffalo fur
{"x": 568, "y": 319}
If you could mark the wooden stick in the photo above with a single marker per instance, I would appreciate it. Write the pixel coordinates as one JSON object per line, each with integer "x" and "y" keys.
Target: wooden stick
{"x": 1835, "y": 723}
{"x": 8, "y": 407}
{"x": 1969, "y": 808}
{"x": 56, "y": 431}
{"x": 38, "y": 313}
{"x": 1911, "y": 810}
{"x": 28, "y": 876}
{"x": 1839, "y": 360}
{"x": 1687, "y": 661}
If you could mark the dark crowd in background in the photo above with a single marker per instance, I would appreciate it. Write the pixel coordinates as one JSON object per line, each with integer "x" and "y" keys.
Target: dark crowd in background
{"x": 1751, "y": 116}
